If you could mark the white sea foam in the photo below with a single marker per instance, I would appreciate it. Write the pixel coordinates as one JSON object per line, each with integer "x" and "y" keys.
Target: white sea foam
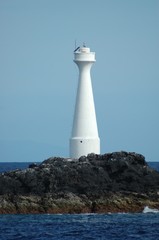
{"x": 150, "y": 210}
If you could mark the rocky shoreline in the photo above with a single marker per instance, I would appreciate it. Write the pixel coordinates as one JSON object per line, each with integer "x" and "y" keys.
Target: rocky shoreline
{"x": 113, "y": 182}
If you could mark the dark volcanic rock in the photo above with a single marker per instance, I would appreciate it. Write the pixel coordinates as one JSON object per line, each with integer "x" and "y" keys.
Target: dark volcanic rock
{"x": 92, "y": 183}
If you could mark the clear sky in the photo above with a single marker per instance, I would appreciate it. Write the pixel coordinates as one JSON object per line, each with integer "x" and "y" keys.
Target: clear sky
{"x": 38, "y": 79}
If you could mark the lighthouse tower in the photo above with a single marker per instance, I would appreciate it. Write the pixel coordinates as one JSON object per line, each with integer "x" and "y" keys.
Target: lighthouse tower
{"x": 84, "y": 139}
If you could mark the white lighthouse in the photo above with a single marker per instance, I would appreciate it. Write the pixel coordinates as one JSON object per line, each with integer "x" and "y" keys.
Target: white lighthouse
{"x": 84, "y": 139}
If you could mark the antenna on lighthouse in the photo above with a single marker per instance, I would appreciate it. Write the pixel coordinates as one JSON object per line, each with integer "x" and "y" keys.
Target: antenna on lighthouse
{"x": 76, "y": 48}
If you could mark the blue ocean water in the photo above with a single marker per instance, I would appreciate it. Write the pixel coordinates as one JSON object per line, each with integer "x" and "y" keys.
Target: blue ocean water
{"x": 143, "y": 226}
{"x": 80, "y": 226}
{"x": 8, "y": 166}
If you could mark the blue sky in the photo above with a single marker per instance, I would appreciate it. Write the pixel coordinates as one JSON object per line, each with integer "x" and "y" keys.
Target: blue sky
{"x": 38, "y": 79}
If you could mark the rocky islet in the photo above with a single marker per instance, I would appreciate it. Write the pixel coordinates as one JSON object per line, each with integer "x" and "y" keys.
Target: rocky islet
{"x": 112, "y": 182}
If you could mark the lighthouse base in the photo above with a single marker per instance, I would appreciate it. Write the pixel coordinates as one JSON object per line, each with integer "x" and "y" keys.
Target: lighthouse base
{"x": 83, "y": 146}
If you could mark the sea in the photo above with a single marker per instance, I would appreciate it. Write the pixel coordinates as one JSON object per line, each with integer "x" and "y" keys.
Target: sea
{"x": 123, "y": 226}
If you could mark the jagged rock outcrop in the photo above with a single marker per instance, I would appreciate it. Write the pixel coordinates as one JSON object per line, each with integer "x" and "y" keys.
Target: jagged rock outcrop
{"x": 115, "y": 182}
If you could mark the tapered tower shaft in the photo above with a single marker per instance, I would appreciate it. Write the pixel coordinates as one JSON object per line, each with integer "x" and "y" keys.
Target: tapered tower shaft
{"x": 84, "y": 139}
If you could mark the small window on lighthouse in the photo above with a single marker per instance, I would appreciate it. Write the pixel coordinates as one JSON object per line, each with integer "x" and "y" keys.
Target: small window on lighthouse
{"x": 80, "y": 141}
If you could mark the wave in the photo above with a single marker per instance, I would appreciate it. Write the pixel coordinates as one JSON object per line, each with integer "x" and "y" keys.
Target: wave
{"x": 150, "y": 210}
